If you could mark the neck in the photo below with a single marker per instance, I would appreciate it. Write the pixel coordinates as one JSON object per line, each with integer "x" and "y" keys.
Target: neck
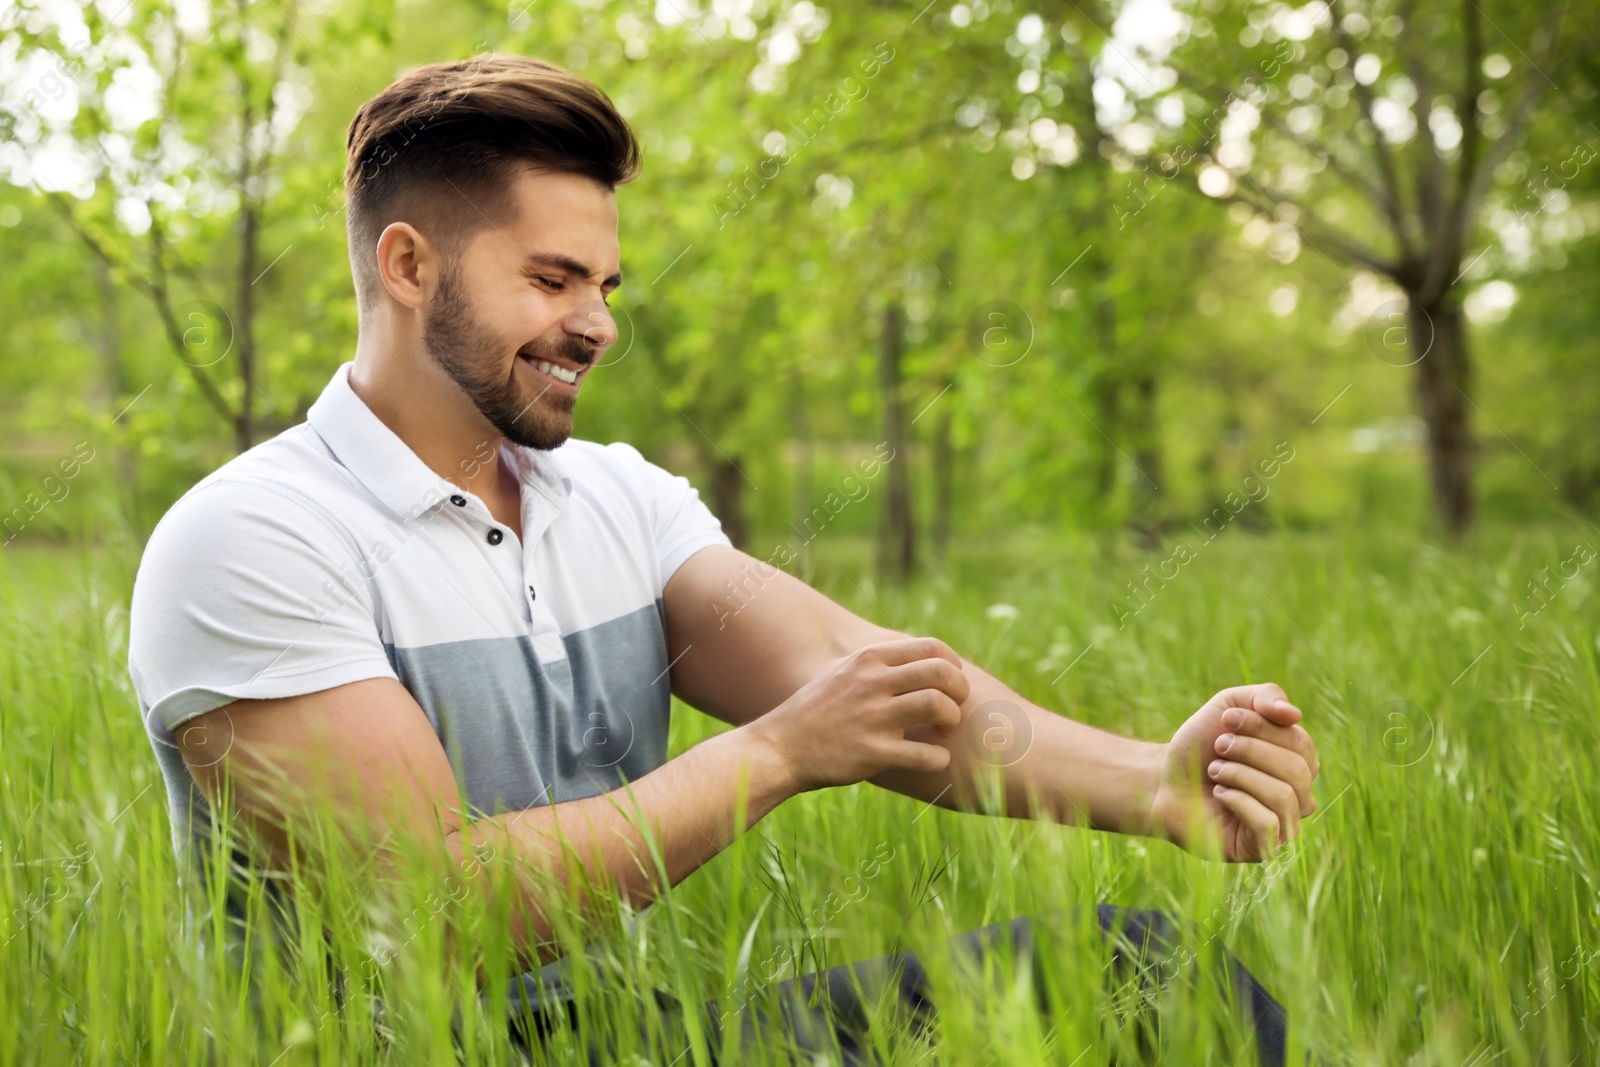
{"x": 427, "y": 410}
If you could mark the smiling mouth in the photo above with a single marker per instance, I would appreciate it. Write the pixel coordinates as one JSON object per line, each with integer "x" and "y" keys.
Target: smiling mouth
{"x": 558, "y": 371}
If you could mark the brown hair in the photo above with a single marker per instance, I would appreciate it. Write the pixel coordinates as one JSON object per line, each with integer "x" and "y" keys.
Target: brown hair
{"x": 441, "y": 146}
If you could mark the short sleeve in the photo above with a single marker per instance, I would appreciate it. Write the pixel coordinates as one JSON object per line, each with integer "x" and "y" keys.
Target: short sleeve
{"x": 247, "y": 593}
{"x": 682, "y": 524}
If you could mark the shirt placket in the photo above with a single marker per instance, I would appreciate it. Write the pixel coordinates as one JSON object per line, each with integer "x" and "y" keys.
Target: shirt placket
{"x": 500, "y": 546}
{"x": 516, "y": 570}
{"x": 538, "y": 512}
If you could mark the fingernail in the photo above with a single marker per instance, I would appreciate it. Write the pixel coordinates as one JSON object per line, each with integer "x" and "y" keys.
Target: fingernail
{"x": 1233, "y": 718}
{"x": 1219, "y": 789}
{"x": 1215, "y": 768}
{"x": 1224, "y": 742}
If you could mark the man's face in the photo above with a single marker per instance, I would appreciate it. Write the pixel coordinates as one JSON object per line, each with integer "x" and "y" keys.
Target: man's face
{"x": 523, "y": 303}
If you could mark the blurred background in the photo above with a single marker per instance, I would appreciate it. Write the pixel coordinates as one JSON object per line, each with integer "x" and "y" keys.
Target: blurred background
{"x": 1146, "y": 270}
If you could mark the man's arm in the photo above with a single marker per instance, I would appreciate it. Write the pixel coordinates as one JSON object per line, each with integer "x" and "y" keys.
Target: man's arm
{"x": 743, "y": 635}
{"x": 366, "y": 752}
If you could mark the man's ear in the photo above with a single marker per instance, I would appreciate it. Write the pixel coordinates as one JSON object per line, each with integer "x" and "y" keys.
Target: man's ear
{"x": 408, "y": 264}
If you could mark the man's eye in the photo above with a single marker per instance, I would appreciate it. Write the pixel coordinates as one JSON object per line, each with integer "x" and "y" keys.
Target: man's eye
{"x": 552, "y": 283}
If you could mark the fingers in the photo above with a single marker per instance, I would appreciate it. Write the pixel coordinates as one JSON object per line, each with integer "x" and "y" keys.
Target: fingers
{"x": 909, "y": 649}
{"x": 927, "y": 689}
{"x": 1294, "y": 738}
{"x": 1256, "y": 818}
{"x": 925, "y": 705}
{"x": 930, "y": 674}
{"x": 1266, "y": 699}
{"x": 1282, "y": 764}
{"x": 919, "y": 756}
{"x": 1272, "y": 793}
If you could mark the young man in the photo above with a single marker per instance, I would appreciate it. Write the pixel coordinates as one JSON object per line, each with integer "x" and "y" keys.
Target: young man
{"x": 430, "y": 590}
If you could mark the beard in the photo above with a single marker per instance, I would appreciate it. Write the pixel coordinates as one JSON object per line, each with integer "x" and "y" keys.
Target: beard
{"x": 469, "y": 352}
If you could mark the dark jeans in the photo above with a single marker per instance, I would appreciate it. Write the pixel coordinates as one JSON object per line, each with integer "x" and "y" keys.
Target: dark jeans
{"x": 830, "y": 1013}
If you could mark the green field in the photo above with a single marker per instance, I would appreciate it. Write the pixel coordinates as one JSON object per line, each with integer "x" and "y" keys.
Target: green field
{"x": 1440, "y": 908}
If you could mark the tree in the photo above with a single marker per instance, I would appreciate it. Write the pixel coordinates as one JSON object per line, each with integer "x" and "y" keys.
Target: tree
{"x": 194, "y": 331}
{"x": 1386, "y": 175}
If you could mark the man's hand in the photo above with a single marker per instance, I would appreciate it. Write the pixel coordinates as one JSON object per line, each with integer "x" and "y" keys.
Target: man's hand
{"x": 1238, "y": 776}
{"x": 849, "y": 722}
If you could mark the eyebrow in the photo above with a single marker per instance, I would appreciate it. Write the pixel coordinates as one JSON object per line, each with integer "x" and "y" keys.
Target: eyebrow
{"x": 570, "y": 266}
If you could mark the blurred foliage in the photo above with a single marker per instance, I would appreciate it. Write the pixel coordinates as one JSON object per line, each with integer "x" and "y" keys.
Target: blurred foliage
{"x": 1089, "y": 340}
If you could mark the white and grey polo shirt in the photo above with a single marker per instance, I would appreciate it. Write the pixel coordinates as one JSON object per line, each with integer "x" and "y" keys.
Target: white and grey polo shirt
{"x": 332, "y": 553}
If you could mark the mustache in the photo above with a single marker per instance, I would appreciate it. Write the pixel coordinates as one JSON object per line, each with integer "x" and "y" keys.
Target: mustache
{"x": 570, "y": 348}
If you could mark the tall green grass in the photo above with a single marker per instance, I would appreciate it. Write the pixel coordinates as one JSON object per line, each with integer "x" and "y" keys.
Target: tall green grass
{"x": 1440, "y": 908}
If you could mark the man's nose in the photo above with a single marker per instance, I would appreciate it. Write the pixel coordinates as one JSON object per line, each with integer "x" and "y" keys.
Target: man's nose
{"x": 593, "y": 323}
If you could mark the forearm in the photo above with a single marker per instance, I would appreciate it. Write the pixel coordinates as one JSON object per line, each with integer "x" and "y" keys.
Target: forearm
{"x": 687, "y": 808}
{"x": 1043, "y": 766}
{"x": 762, "y": 640}
{"x": 1036, "y": 764}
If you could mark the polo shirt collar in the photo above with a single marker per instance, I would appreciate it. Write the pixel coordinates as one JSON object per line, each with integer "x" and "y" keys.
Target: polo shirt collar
{"x": 541, "y": 471}
{"x": 396, "y": 475}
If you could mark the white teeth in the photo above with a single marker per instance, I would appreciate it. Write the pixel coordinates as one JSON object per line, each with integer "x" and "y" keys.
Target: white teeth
{"x": 562, "y": 373}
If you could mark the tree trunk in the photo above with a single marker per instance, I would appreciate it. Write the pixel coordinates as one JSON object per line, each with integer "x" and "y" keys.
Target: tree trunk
{"x": 1444, "y": 381}
{"x": 898, "y": 540}
{"x": 1147, "y": 452}
{"x": 727, "y": 496}
{"x": 244, "y": 431}
{"x": 1107, "y": 388}
{"x": 800, "y": 433}
{"x": 944, "y": 462}
{"x": 1149, "y": 486}
{"x": 114, "y": 380}
{"x": 1100, "y": 220}
{"x": 1108, "y": 413}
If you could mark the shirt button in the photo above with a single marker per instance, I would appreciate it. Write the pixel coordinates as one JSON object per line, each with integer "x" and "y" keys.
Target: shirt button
{"x": 458, "y": 500}
{"x": 495, "y": 537}
{"x": 531, "y": 594}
